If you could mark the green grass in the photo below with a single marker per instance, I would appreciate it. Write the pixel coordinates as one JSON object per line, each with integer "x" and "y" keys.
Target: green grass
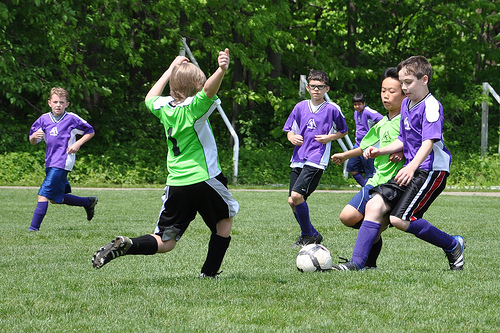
{"x": 48, "y": 284}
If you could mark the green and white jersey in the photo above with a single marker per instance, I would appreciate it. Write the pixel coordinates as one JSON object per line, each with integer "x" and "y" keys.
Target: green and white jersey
{"x": 380, "y": 135}
{"x": 192, "y": 151}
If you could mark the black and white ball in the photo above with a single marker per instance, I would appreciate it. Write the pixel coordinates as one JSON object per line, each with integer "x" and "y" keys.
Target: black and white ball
{"x": 313, "y": 258}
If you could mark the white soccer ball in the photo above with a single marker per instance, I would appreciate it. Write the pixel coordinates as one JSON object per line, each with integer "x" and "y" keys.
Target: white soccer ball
{"x": 314, "y": 257}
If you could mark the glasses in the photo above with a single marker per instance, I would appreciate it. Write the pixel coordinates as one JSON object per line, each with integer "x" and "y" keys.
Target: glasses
{"x": 315, "y": 86}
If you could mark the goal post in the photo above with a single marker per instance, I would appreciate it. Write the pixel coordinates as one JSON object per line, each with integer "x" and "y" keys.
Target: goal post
{"x": 487, "y": 89}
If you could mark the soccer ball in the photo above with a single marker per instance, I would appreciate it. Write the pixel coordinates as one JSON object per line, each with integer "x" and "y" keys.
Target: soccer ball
{"x": 314, "y": 257}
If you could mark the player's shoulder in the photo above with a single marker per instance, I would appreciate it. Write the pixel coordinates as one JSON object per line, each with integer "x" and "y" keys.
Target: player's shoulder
{"x": 369, "y": 109}
{"x": 432, "y": 108}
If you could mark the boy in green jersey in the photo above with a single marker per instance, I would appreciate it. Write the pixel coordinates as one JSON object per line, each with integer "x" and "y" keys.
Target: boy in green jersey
{"x": 195, "y": 183}
{"x": 386, "y": 166}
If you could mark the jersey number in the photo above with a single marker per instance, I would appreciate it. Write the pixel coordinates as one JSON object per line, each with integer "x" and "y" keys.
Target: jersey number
{"x": 175, "y": 148}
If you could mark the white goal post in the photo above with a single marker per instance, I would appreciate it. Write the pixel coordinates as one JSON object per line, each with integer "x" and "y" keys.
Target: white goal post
{"x": 487, "y": 89}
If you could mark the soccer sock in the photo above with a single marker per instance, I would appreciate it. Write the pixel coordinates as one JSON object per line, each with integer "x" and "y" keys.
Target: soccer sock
{"x": 357, "y": 225}
{"x": 425, "y": 231}
{"x": 73, "y": 200}
{"x": 146, "y": 245}
{"x": 359, "y": 178}
{"x": 217, "y": 247}
{"x": 39, "y": 214}
{"x": 366, "y": 236}
{"x": 302, "y": 215}
{"x": 374, "y": 253}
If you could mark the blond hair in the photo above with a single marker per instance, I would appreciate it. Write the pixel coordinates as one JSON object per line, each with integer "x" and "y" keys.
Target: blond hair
{"x": 59, "y": 92}
{"x": 186, "y": 80}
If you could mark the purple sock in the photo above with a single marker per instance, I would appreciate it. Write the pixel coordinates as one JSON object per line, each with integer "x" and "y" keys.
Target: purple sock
{"x": 39, "y": 214}
{"x": 73, "y": 200}
{"x": 359, "y": 178}
{"x": 425, "y": 231}
{"x": 366, "y": 236}
{"x": 302, "y": 216}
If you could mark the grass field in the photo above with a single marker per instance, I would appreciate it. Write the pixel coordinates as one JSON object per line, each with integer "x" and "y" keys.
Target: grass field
{"x": 48, "y": 284}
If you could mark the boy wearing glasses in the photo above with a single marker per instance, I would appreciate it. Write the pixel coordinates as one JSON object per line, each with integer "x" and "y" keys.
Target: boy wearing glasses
{"x": 311, "y": 127}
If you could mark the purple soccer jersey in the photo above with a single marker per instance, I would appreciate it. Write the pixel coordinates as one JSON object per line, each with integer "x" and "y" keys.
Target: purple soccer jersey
{"x": 303, "y": 120}
{"x": 424, "y": 121}
{"x": 59, "y": 135}
{"x": 364, "y": 121}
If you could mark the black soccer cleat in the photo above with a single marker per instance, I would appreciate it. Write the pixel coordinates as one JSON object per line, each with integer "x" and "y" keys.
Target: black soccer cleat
{"x": 346, "y": 266}
{"x": 306, "y": 240}
{"x": 456, "y": 256}
{"x": 114, "y": 249}
{"x": 91, "y": 209}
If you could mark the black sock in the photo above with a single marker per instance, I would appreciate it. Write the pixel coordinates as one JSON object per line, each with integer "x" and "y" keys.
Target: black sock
{"x": 357, "y": 225}
{"x": 146, "y": 245}
{"x": 216, "y": 250}
{"x": 374, "y": 253}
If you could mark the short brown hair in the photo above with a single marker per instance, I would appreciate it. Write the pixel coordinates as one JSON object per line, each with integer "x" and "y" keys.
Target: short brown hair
{"x": 317, "y": 75}
{"x": 186, "y": 80}
{"x": 418, "y": 66}
{"x": 59, "y": 92}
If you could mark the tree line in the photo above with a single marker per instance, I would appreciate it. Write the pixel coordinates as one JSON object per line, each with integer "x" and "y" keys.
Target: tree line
{"x": 108, "y": 53}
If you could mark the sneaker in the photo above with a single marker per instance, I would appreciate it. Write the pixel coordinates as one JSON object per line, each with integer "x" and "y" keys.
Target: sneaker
{"x": 456, "y": 256}
{"x": 90, "y": 209}
{"x": 347, "y": 266}
{"x": 116, "y": 248}
{"x": 205, "y": 276}
{"x": 31, "y": 229}
{"x": 306, "y": 240}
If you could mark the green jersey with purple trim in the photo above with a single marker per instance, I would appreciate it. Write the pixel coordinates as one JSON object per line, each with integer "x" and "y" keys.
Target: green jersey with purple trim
{"x": 380, "y": 135}
{"x": 192, "y": 151}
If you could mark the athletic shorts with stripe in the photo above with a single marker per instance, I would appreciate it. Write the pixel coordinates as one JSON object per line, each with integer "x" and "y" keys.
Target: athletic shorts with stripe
{"x": 210, "y": 198}
{"x": 411, "y": 202}
{"x": 304, "y": 180}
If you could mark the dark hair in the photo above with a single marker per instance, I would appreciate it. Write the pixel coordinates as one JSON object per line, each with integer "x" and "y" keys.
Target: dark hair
{"x": 358, "y": 97}
{"x": 418, "y": 66}
{"x": 390, "y": 72}
{"x": 317, "y": 75}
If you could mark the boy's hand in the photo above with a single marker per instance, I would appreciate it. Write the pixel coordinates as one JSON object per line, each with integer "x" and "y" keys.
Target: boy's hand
{"x": 224, "y": 59}
{"x": 297, "y": 140}
{"x": 370, "y": 152}
{"x": 178, "y": 60}
{"x": 74, "y": 148}
{"x": 338, "y": 158}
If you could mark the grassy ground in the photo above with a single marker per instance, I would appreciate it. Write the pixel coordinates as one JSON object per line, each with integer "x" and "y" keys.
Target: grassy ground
{"x": 48, "y": 285}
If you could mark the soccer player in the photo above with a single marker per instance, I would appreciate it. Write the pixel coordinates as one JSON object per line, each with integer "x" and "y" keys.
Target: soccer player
{"x": 381, "y": 134}
{"x": 408, "y": 195}
{"x": 364, "y": 117}
{"x": 195, "y": 183}
{"x": 59, "y": 130}
{"x": 311, "y": 127}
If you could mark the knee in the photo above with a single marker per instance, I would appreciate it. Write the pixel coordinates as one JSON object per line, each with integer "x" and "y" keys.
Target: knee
{"x": 296, "y": 198}
{"x": 224, "y": 227}
{"x": 347, "y": 219}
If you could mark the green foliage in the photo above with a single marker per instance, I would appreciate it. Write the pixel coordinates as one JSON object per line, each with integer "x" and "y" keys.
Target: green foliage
{"x": 259, "y": 166}
{"x": 475, "y": 171}
{"x": 109, "y": 53}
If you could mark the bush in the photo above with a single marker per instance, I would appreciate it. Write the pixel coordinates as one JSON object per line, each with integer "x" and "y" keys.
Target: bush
{"x": 264, "y": 166}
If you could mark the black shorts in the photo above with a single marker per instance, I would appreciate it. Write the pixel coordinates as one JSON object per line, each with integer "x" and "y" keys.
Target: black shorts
{"x": 411, "y": 202}
{"x": 210, "y": 198}
{"x": 304, "y": 180}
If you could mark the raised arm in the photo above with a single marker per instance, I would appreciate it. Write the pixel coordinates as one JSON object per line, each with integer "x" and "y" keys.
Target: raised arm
{"x": 214, "y": 81}
{"x": 158, "y": 87}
